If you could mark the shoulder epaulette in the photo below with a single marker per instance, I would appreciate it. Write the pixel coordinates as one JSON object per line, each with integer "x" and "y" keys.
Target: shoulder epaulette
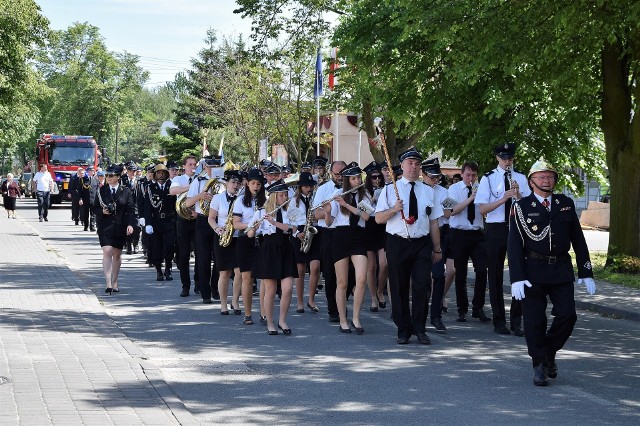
{"x": 489, "y": 173}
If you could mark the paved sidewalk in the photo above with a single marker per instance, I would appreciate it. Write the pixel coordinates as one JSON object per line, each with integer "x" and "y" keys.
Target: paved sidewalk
{"x": 62, "y": 358}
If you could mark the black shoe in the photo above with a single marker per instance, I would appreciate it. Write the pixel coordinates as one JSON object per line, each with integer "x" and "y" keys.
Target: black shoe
{"x": 92, "y": 229}
{"x": 286, "y": 331}
{"x": 480, "y": 315}
{"x": 263, "y": 320}
{"x": 437, "y": 323}
{"x": 359, "y": 330}
{"x": 423, "y": 338}
{"x": 129, "y": 250}
{"x": 215, "y": 295}
{"x": 501, "y": 330}
{"x": 196, "y": 290}
{"x": 300, "y": 311}
{"x": 517, "y": 331}
{"x": 46, "y": 220}
{"x": 207, "y": 301}
{"x": 159, "y": 276}
{"x": 40, "y": 220}
{"x": 382, "y": 304}
{"x": 224, "y": 312}
{"x": 373, "y": 308}
{"x": 77, "y": 223}
{"x": 552, "y": 370}
{"x": 540, "y": 375}
{"x": 334, "y": 318}
{"x": 247, "y": 320}
{"x": 445, "y": 309}
{"x": 108, "y": 291}
{"x": 272, "y": 332}
{"x": 86, "y": 229}
{"x": 402, "y": 340}
{"x": 184, "y": 293}
{"x": 462, "y": 318}
{"x": 344, "y": 330}
{"x": 314, "y": 309}
{"x": 320, "y": 286}
{"x": 168, "y": 276}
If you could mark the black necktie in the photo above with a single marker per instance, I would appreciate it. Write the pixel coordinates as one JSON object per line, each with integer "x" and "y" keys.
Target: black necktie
{"x": 113, "y": 193}
{"x": 507, "y": 205}
{"x": 305, "y": 201}
{"x": 190, "y": 180}
{"x": 230, "y": 199}
{"x": 353, "y": 218}
{"x": 413, "y": 202}
{"x": 471, "y": 208}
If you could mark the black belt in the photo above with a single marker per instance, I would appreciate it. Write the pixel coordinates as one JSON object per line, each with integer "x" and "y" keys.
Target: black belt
{"x": 408, "y": 239}
{"x": 549, "y": 260}
{"x": 163, "y": 215}
{"x": 496, "y": 225}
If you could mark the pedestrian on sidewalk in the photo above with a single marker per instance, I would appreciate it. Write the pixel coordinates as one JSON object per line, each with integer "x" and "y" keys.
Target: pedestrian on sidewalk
{"x": 10, "y": 192}
{"x": 43, "y": 185}
{"x": 542, "y": 229}
{"x": 115, "y": 216}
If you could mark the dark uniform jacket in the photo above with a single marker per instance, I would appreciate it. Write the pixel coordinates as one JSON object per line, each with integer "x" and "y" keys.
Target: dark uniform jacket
{"x": 160, "y": 207}
{"x": 85, "y": 189}
{"x": 115, "y": 224}
{"x": 75, "y": 185}
{"x": 95, "y": 184}
{"x": 140, "y": 195}
{"x": 546, "y": 261}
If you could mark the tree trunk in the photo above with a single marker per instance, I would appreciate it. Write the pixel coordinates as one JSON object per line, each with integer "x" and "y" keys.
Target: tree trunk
{"x": 622, "y": 142}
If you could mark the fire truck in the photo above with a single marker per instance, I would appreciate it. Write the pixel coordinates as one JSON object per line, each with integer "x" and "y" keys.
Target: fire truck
{"x": 63, "y": 155}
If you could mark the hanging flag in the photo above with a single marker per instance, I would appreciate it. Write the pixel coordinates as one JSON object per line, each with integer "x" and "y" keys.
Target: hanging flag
{"x": 333, "y": 66}
{"x": 220, "y": 150}
{"x": 317, "y": 86}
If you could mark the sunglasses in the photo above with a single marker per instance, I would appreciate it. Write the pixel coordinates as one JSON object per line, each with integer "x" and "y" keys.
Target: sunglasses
{"x": 111, "y": 174}
{"x": 376, "y": 177}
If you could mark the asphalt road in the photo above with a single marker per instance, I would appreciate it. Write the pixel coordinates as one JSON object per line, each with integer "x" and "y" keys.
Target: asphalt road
{"x": 226, "y": 372}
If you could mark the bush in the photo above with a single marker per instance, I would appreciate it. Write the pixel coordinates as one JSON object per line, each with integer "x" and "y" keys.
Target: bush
{"x": 624, "y": 264}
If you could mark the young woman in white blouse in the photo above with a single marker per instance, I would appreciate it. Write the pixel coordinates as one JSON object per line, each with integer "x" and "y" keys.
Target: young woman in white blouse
{"x": 349, "y": 242}
{"x": 275, "y": 259}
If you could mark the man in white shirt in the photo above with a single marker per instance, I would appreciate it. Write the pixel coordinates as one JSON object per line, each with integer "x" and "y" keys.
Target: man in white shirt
{"x": 43, "y": 185}
{"x": 413, "y": 244}
{"x": 467, "y": 241}
{"x": 496, "y": 193}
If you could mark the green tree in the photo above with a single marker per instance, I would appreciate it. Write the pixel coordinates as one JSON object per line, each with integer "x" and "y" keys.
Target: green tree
{"x": 22, "y": 28}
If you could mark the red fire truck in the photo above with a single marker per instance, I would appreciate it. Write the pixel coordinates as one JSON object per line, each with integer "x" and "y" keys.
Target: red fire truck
{"x": 63, "y": 155}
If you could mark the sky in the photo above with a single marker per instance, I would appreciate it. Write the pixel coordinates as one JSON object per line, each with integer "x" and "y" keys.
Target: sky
{"x": 165, "y": 34}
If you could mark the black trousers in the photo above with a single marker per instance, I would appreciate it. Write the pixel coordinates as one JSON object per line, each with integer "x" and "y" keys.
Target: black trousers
{"x": 161, "y": 243}
{"x": 207, "y": 271}
{"x": 84, "y": 213}
{"x": 465, "y": 245}
{"x": 328, "y": 269}
{"x": 496, "y": 237}
{"x": 75, "y": 208}
{"x": 186, "y": 230}
{"x": 438, "y": 275}
{"x": 543, "y": 343}
{"x": 409, "y": 275}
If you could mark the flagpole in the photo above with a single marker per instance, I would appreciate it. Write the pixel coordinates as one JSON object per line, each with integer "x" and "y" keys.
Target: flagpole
{"x": 318, "y": 125}
{"x": 337, "y": 133}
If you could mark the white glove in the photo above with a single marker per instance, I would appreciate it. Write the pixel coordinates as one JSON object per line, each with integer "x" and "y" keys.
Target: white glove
{"x": 589, "y": 283}
{"x": 141, "y": 221}
{"x": 148, "y": 229}
{"x": 517, "y": 289}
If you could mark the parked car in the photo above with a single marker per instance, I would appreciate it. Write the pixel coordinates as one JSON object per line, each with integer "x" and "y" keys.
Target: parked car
{"x": 26, "y": 183}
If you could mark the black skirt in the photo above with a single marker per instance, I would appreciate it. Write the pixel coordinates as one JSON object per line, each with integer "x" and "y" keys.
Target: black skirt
{"x": 375, "y": 234}
{"x": 275, "y": 259}
{"x": 314, "y": 251}
{"x": 225, "y": 257}
{"x": 246, "y": 252}
{"x": 9, "y": 202}
{"x": 116, "y": 242}
{"x": 348, "y": 241}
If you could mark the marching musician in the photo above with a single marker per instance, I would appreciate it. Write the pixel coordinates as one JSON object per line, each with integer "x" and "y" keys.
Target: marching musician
{"x": 74, "y": 194}
{"x": 498, "y": 189}
{"x": 542, "y": 229}
{"x": 431, "y": 175}
{"x": 220, "y": 220}
{"x": 413, "y": 244}
{"x": 319, "y": 171}
{"x": 376, "y": 235}
{"x": 85, "y": 197}
{"x": 349, "y": 242}
{"x": 467, "y": 241}
{"x": 185, "y": 228}
{"x": 160, "y": 218}
{"x": 140, "y": 195}
{"x": 275, "y": 261}
{"x": 253, "y": 197}
{"x": 299, "y": 210}
{"x": 197, "y": 195}
{"x": 325, "y": 233}
{"x": 129, "y": 180}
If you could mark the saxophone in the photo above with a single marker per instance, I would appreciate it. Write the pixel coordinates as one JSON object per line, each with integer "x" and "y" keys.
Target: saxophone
{"x": 309, "y": 229}
{"x": 227, "y": 235}
{"x": 218, "y": 186}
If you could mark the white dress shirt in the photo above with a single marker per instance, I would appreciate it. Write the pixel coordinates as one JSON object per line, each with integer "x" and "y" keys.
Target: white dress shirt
{"x": 245, "y": 213}
{"x": 44, "y": 181}
{"x": 492, "y": 189}
{"x": 265, "y": 227}
{"x": 324, "y": 192}
{"x": 297, "y": 214}
{"x": 440, "y": 194}
{"x": 182, "y": 180}
{"x": 459, "y": 192}
{"x": 424, "y": 195}
{"x": 195, "y": 188}
{"x": 341, "y": 219}
{"x": 220, "y": 204}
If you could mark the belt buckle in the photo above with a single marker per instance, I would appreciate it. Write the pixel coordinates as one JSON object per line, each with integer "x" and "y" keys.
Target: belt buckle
{"x": 552, "y": 259}
{"x": 162, "y": 215}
